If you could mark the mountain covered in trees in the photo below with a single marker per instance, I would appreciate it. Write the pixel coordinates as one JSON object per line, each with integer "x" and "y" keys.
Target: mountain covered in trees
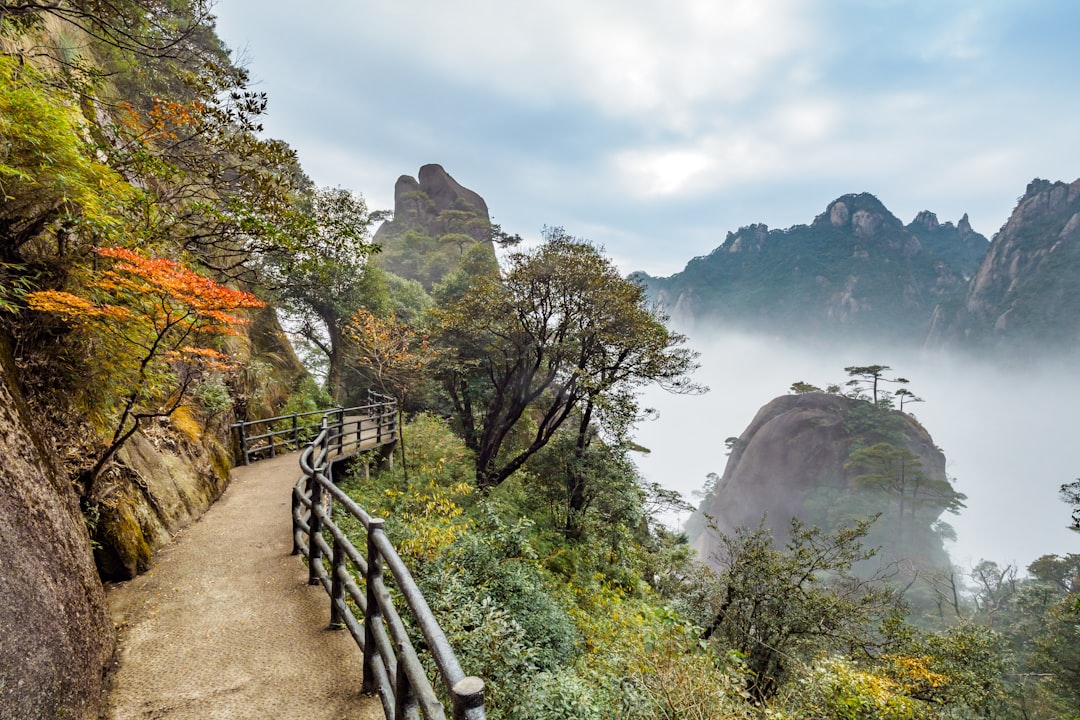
{"x": 855, "y": 270}
{"x": 1025, "y": 295}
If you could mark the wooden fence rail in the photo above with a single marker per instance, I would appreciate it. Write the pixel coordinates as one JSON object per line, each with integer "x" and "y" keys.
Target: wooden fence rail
{"x": 392, "y": 667}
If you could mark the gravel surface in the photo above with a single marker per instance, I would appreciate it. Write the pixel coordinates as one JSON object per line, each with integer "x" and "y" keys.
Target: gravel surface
{"x": 224, "y": 625}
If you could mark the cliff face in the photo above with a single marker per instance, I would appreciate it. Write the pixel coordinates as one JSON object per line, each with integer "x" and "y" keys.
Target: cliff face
{"x": 56, "y": 636}
{"x": 791, "y": 461}
{"x": 856, "y": 270}
{"x": 1026, "y": 293}
{"x": 435, "y": 221}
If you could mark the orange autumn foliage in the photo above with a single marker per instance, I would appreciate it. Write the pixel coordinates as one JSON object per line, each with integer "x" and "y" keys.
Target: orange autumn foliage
{"x": 149, "y": 320}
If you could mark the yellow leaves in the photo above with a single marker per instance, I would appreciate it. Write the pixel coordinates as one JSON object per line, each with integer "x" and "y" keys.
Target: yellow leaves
{"x": 914, "y": 673}
{"x": 432, "y": 521}
{"x": 850, "y": 693}
{"x": 393, "y": 351}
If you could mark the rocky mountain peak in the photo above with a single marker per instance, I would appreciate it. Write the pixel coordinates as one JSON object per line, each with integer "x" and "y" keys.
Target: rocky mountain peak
{"x": 927, "y": 220}
{"x": 863, "y": 214}
{"x": 421, "y": 203}
{"x": 748, "y": 239}
{"x": 964, "y": 226}
{"x": 436, "y": 220}
{"x": 792, "y": 461}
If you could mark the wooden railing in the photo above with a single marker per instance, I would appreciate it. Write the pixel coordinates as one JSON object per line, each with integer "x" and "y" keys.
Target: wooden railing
{"x": 372, "y": 424}
{"x": 392, "y": 667}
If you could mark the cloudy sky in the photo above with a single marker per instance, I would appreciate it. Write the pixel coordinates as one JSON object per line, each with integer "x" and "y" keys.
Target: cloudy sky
{"x": 655, "y": 126}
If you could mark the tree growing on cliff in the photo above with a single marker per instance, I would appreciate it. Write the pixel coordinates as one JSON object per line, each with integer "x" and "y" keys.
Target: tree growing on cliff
{"x": 898, "y": 473}
{"x": 870, "y": 377}
{"x": 323, "y": 283}
{"x": 1070, "y": 493}
{"x": 149, "y": 321}
{"x": 560, "y": 332}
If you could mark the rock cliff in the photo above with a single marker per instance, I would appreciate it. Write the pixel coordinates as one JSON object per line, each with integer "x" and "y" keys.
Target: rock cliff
{"x": 793, "y": 461}
{"x": 435, "y": 220}
{"x": 1025, "y": 295}
{"x": 56, "y": 636}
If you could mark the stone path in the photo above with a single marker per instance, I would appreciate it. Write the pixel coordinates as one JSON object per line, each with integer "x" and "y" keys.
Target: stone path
{"x": 224, "y": 625}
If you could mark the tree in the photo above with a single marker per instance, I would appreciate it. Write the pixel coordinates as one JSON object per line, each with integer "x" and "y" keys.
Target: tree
{"x": 872, "y": 376}
{"x": 323, "y": 281}
{"x": 898, "y": 473}
{"x": 152, "y": 318}
{"x": 393, "y": 353}
{"x": 1070, "y": 493}
{"x": 780, "y": 607}
{"x": 906, "y": 395}
{"x": 51, "y": 179}
{"x": 799, "y": 387}
{"x": 561, "y": 331}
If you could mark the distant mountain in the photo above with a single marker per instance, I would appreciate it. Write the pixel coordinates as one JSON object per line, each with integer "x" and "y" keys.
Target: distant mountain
{"x": 435, "y": 221}
{"x": 1025, "y": 295}
{"x": 856, "y": 270}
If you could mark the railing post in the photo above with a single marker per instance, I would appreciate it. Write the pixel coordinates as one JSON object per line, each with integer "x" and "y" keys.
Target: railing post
{"x": 295, "y": 434}
{"x": 467, "y": 697}
{"x": 404, "y": 698}
{"x": 295, "y": 511}
{"x": 243, "y": 443}
{"x": 373, "y": 614}
{"x": 314, "y": 530}
{"x": 337, "y": 587}
{"x": 272, "y": 439}
{"x": 340, "y": 429}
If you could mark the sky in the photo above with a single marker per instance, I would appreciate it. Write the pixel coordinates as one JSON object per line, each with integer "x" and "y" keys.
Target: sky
{"x": 654, "y": 127}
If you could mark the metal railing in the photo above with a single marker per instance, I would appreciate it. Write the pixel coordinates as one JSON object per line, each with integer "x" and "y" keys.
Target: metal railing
{"x": 392, "y": 667}
{"x": 375, "y": 423}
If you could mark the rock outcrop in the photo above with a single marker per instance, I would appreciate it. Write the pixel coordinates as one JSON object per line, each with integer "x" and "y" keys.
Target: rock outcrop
{"x": 55, "y": 636}
{"x": 1025, "y": 295}
{"x": 791, "y": 462}
{"x": 435, "y": 220}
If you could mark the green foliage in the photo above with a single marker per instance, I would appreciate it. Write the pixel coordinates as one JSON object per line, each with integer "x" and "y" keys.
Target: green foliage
{"x": 559, "y": 695}
{"x": 837, "y": 689}
{"x": 51, "y": 178}
{"x": 324, "y": 280}
{"x": 561, "y": 332}
{"x": 799, "y": 387}
{"x": 781, "y": 606}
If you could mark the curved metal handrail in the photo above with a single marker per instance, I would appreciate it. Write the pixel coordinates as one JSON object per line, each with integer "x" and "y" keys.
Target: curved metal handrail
{"x": 392, "y": 667}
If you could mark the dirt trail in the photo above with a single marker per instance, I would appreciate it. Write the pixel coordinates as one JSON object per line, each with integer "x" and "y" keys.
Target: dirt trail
{"x": 224, "y": 625}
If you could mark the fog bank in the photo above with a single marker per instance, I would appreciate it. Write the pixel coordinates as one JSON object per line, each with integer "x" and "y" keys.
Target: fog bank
{"x": 1009, "y": 435}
